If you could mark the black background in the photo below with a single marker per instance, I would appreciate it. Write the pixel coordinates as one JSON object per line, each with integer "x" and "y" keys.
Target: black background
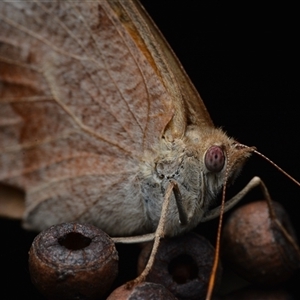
{"x": 248, "y": 80}
{"x": 245, "y": 67}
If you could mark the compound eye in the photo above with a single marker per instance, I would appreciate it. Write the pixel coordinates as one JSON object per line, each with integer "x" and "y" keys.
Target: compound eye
{"x": 214, "y": 159}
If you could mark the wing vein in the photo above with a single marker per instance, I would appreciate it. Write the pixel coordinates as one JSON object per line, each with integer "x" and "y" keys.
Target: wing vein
{"x": 83, "y": 127}
{"x": 79, "y": 43}
{"x": 106, "y": 66}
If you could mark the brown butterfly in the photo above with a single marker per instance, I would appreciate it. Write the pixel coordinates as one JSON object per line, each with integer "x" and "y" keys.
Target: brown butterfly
{"x": 97, "y": 116}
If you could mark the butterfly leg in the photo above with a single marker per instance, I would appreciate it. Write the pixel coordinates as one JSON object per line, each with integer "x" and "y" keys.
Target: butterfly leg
{"x": 276, "y": 224}
{"x": 254, "y": 182}
{"x": 159, "y": 233}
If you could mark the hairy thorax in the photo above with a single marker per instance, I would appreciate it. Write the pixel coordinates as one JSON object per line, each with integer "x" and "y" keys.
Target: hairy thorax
{"x": 182, "y": 161}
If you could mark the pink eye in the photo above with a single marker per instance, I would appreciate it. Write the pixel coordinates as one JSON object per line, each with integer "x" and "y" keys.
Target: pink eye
{"x": 214, "y": 159}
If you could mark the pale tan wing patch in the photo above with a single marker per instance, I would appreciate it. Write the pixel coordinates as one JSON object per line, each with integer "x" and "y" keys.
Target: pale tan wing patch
{"x": 79, "y": 106}
{"x": 12, "y": 204}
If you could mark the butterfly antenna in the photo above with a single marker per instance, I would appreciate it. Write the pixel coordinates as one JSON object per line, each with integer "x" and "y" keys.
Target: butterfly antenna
{"x": 272, "y": 163}
{"x": 213, "y": 275}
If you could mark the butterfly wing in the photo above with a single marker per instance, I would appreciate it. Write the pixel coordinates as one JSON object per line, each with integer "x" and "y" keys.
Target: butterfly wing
{"x": 85, "y": 92}
{"x": 186, "y": 97}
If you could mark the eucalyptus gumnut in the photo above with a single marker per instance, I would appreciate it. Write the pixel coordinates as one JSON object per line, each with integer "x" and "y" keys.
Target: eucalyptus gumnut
{"x": 257, "y": 248}
{"x": 73, "y": 261}
{"x": 182, "y": 264}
